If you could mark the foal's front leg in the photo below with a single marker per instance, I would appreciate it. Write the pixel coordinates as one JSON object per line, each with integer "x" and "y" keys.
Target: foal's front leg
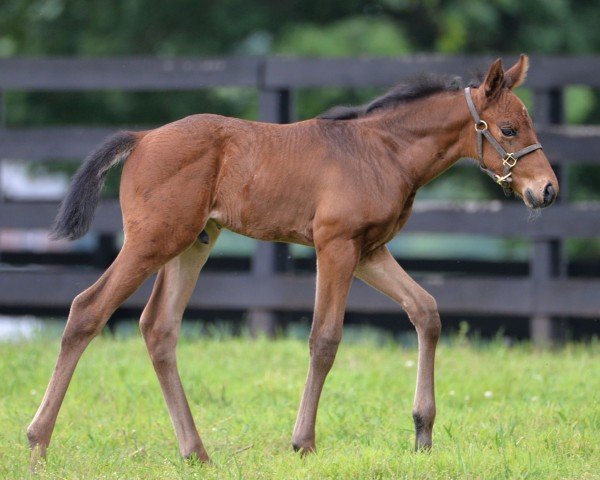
{"x": 336, "y": 261}
{"x": 382, "y": 272}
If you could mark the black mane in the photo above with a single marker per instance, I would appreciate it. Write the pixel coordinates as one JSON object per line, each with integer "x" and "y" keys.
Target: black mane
{"x": 419, "y": 87}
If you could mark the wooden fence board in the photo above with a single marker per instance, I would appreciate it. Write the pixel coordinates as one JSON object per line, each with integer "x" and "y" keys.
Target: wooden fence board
{"x": 546, "y": 72}
{"x": 126, "y": 73}
{"x": 235, "y": 291}
{"x": 477, "y": 218}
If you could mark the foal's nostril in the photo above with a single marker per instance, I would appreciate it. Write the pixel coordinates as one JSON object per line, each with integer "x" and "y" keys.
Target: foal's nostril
{"x": 549, "y": 194}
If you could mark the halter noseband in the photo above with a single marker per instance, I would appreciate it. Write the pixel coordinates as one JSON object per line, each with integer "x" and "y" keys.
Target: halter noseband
{"x": 509, "y": 160}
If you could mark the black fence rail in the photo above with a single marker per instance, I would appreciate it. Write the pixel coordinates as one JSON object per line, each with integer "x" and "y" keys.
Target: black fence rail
{"x": 545, "y": 294}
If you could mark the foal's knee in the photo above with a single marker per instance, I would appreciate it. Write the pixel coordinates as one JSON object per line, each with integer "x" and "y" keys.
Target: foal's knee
{"x": 423, "y": 313}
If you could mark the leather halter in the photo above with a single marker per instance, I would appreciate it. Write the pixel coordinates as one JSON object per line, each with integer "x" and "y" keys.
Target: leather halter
{"x": 509, "y": 160}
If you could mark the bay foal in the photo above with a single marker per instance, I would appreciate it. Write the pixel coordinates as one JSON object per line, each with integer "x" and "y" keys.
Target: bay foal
{"x": 343, "y": 183}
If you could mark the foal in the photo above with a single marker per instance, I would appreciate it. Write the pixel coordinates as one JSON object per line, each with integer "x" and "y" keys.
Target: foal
{"x": 344, "y": 183}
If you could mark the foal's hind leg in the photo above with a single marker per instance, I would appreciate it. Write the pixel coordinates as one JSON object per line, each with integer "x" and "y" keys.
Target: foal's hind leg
{"x": 160, "y": 325}
{"x": 382, "y": 272}
{"x": 89, "y": 312}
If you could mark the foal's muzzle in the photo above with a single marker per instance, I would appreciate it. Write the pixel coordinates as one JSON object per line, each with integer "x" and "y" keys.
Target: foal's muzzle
{"x": 545, "y": 198}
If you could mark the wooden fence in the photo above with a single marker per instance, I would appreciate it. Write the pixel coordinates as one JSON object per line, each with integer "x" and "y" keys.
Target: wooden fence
{"x": 544, "y": 295}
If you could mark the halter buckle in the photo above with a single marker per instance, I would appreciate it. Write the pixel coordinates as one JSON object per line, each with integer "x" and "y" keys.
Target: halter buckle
{"x": 502, "y": 180}
{"x": 481, "y": 126}
{"x": 509, "y": 160}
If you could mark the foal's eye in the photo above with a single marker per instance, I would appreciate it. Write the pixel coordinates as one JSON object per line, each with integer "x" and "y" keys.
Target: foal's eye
{"x": 508, "y": 132}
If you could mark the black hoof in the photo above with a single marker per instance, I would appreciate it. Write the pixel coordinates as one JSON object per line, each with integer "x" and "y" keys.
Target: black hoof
{"x": 422, "y": 433}
{"x": 303, "y": 450}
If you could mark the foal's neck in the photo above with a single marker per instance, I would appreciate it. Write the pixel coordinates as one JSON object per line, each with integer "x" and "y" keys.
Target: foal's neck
{"x": 434, "y": 131}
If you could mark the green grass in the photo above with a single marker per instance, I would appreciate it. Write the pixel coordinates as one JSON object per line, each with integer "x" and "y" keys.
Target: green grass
{"x": 541, "y": 419}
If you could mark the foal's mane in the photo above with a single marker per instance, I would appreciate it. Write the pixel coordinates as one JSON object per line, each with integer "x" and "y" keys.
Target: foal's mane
{"x": 418, "y": 87}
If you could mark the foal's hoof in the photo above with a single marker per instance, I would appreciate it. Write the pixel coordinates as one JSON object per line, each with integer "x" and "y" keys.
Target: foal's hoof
{"x": 423, "y": 445}
{"x": 423, "y": 440}
{"x": 37, "y": 458}
{"x": 304, "y": 448}
{"x": 423, "y": 433}
{"x": 194, "y": 452}
{"x": 37, "y": 446}
{"x": 195, "y": 458}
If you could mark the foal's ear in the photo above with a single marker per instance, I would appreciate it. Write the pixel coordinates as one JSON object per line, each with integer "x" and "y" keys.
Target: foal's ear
{"x": 516, "y": 75}
{"x": 494, "y": 79}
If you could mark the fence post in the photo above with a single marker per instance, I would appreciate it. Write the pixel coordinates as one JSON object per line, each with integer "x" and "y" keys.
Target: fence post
{"x": 2, "y": 110}
{"x": 546, "y": 263}
{"x": 2, "y": 125}
{"x": 548, "y": 258}
{"x": 106, "y": 250}
{"x": 275, "y": 106}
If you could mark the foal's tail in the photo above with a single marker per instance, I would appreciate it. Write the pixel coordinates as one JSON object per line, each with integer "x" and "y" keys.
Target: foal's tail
{"x": 77, "y": 208}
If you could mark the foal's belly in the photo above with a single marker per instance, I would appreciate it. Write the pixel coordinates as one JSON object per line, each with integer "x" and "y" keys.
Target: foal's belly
{"x": 273, "y": 220}
{"x": 266, "y": 199}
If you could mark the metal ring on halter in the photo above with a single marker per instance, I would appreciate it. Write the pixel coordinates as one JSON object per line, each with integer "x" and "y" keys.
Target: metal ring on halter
{"x": 505, "y": 179}
{"x": 483, "y": 124}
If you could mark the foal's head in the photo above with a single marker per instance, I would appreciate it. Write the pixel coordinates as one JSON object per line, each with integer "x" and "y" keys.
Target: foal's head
{"x": 505, "y": 117}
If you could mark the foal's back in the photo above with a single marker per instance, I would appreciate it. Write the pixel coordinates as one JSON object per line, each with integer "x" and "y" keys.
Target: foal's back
{"x": 267, "y": 181}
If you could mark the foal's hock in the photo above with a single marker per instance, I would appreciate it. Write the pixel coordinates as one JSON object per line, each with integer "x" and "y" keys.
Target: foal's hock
{"x": 343, "y": 182}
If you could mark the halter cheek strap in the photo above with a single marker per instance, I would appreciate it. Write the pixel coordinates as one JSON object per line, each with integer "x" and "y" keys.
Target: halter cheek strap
{"x": 509, "y": 160}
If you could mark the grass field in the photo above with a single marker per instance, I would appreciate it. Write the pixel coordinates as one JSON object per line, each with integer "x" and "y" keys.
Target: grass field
{"x": 502, "y": 412}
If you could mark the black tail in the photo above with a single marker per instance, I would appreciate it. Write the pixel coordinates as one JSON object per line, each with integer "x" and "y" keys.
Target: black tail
{"x": 77, "y": 208}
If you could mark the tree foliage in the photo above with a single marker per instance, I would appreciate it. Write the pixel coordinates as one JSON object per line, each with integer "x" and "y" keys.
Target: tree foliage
{"x": 211, "y": 27}
{"x": 255, "y": 27}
